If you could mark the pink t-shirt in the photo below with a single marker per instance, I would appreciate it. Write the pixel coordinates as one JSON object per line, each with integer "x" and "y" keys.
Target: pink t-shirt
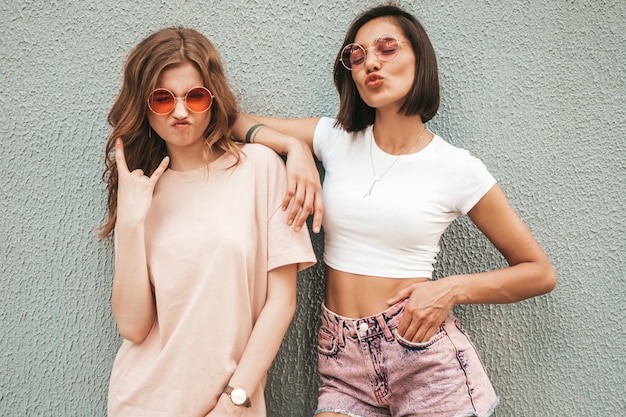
{"x": 211, "y": 237}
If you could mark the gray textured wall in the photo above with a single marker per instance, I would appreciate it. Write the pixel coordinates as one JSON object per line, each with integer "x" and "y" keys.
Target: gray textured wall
{"x": 536, "y": 89}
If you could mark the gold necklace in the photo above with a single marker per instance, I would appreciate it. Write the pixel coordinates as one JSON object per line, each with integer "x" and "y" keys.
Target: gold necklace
{"x": 379, "y": 177}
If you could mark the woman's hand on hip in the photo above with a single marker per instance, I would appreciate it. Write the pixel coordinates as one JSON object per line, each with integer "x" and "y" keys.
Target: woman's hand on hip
{"x": 428, "y": 304}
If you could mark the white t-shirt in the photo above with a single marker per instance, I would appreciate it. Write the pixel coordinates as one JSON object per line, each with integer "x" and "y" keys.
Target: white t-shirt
{"x": 395, "y": 230}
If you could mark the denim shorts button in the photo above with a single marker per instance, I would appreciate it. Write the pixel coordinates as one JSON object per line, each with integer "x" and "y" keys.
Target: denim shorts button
{"x": 363, "y": 327}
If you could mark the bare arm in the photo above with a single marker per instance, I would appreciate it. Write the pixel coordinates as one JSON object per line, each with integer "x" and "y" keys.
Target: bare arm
{"x": 284, "y": 131}
{"x": 132, "y": 300}
{"x": 293, "y": 138}
{"x": 266, "y": 338}
{"x": 530, "y": 272}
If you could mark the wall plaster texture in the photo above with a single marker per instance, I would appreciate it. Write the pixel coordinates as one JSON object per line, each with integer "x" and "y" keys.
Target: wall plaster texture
{"x": 535, "y": 89}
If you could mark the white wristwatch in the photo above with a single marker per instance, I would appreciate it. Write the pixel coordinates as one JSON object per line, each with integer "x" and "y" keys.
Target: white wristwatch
{"x": 238, "y": 396}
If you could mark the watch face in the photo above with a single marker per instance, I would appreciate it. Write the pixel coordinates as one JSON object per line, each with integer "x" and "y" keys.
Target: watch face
{"x": 238, "y": 396}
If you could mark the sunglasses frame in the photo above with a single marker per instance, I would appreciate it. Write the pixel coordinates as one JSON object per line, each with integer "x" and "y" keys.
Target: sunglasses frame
{"x": 181, "y": 98}
{"x": 365, "y": 50}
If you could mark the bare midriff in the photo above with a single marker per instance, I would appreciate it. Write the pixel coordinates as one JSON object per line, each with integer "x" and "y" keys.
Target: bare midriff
{"x": 355, "y": 296}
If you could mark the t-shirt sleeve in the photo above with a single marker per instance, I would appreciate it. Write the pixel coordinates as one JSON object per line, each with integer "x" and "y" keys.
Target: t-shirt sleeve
{"x": 473, "y": 182}
{"x": 285, "y": 246}
{"x": 326, "y": 136}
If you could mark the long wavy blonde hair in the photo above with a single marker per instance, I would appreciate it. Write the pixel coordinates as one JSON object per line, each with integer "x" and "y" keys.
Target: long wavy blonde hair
{"x": 144, "y": 149}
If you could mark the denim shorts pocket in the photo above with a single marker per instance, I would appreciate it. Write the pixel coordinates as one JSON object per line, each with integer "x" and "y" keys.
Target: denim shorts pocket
{"x": 326, "y": 342}
{"x": 418, "y": 346}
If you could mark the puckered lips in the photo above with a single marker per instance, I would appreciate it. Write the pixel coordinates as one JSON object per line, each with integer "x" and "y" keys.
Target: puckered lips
{"x": 374, "y": 80}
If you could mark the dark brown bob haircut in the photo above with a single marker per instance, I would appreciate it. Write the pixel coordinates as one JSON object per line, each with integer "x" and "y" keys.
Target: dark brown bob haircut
{"x": 423, "y": 99}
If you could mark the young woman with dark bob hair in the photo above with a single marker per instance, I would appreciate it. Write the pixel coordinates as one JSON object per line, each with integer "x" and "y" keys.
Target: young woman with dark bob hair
{"x": 205, "y": 263}
{"x": 388, "y": 343}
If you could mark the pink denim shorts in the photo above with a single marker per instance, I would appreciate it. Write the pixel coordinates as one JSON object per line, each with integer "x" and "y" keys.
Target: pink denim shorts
{"x": 368, "y": 370}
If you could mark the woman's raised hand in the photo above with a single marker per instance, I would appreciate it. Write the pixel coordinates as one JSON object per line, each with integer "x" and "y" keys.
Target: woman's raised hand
{"x": 134, "y": 191}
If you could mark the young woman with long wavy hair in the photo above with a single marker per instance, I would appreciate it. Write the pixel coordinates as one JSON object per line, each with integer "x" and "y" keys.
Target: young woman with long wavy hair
{"x": 205, "y": 264}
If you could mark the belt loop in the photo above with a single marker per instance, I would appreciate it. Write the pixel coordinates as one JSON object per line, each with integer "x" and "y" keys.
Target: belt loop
{"x": 340, "y": 334}
{"x": 383, "y": 325}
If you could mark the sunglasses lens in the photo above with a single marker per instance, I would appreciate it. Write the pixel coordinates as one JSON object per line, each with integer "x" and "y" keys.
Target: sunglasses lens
{"x": 386, "y": 48}
{"x": 161, "y": 101}
{"x": 199, "y": 99}
{"x": 352, "y": 56}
